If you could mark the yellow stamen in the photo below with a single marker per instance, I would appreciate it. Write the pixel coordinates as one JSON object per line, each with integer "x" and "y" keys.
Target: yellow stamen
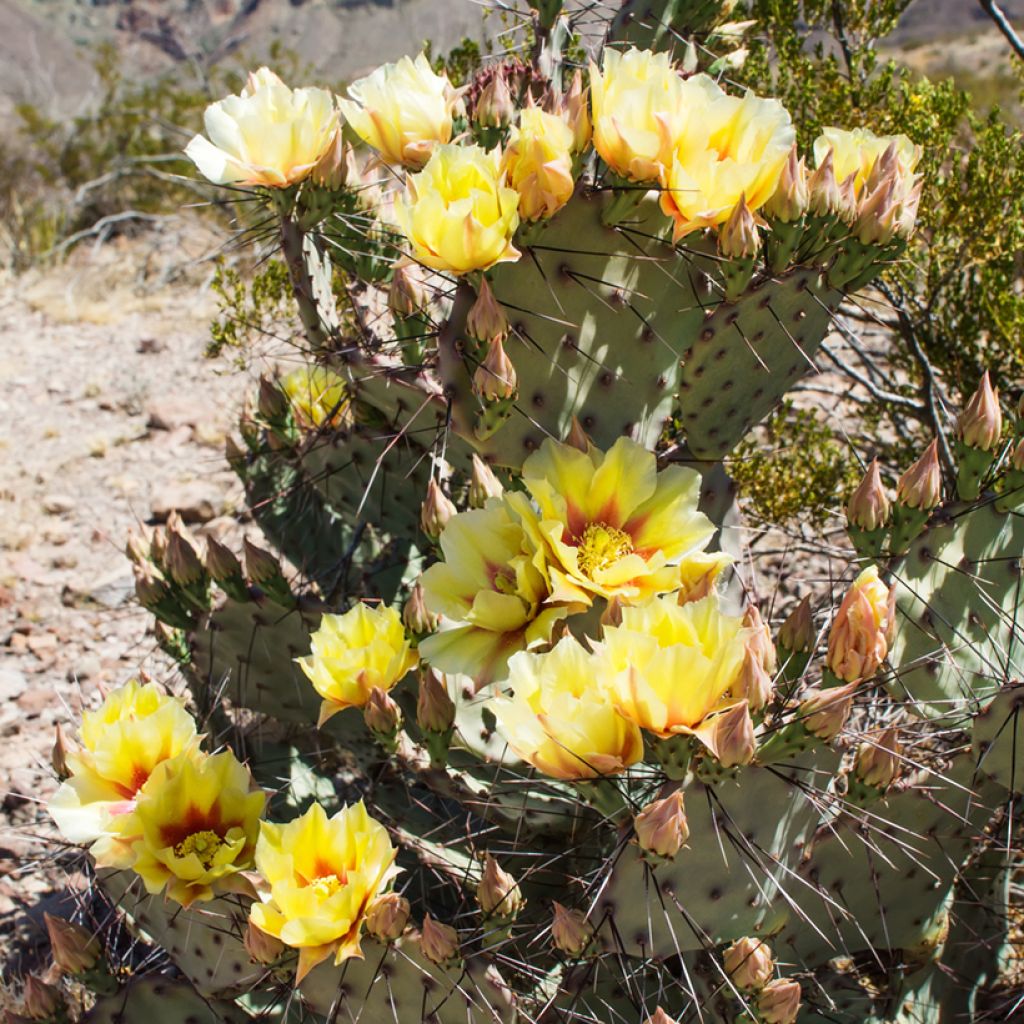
{"x": 601, "y": 546}
{"x": 326, "y": 885}
{"x": 203, "y": 844}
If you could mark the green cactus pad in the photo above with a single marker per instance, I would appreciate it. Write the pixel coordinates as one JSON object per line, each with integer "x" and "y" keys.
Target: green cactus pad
{"x": 998, "y": 735}
{"x": 159, "y": 1000}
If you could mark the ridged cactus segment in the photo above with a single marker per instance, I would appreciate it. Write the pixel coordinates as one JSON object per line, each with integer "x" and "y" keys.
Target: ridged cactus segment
{"x": 959, "y": 588}
{"x": 998, "y": 736}
{"x": 160, "y": 1000}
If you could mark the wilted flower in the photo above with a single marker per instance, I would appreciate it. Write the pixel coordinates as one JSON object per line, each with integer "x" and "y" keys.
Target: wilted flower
{"x": 439, "y": 942}
{"x": 857, "y": 642}
{"x": 323, "y": 873}
{"x": 779, "y": 1001}
{"x": 458, "y": 214}
{"x": 387, "y": 917}
{"x": 354, "y": 653}
{"x": 571, "y": 932}
{"x": 403, "y": 110}
{"x": 75, "y": 949}
{"x": 318, "y": 396}
{"x": 559, "y": 720}
{"x": 498, "y": 893}
{"x": 868, "y": 508}
{"x": 981, "y": 423}
{"x": 920, "y": 486}
{"x": 661, "y": 827}
{"x": 879, "y": 757}
{"x": 268, "y": 135}
{"x": 538, "y": 161}
{"x": 749, "y": 963}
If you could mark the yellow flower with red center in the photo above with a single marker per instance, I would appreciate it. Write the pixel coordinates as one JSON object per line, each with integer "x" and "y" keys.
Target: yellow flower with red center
{"x": 135, "y": 729}
{"x": 194, "y": 827}
{"x": 560, "y": 720}
{"x": 322, "y": 875}
{"x": 609, "y": 523}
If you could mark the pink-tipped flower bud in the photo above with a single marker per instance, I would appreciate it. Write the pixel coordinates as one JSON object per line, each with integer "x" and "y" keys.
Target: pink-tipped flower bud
{"x": 495, "y": 107}
{"x": 221, "y": 562}
{"x": 857, "y": 642}
{"x": 760, "y": 637}
{"x": 791, "y": 197}
{"x": 877, "y": 215}
{"x": 878, "y": 758}
{"x": 729, "y": 735}
{"x": 483, "y": 484}
{"x": 749, "y": 963}
{"x": 137, "y": 548}
{"x": 150, "y": 586}
{"x": 797, "y": 632}
{"x": 182, "y": 560}
{"x": 39, "y": 1000}
{"x": 388, "y": 916}
{"x": 331, "y": 170}
{"x": 575, "y": 109}
{"x": 382, "y": 715}
{"x": 435, "y": 710}
{"x": 753, "y": 682}
{"x": 911, "y": 202}
{"x": 260, "y": 565}
{"x": 738, "y": 238}
{"x": 868, "y": 508}
{"x": 981, "y": 422}
{"x": 825, "y": 200}
{"x": 262, "y": 948}
{"x": 59, "y": 755}
{"x": 661, "y": 827}
{"x": 920, "y": 486}
{"x": 487, "y": 319}
{"x": 75, "y": 949}
{"x": 779, "y": 1001}
{"x": 824, "y": 713}
{"x": 416, "y": 616}
{"x": 660, "y": 1017}
{"x": 437, "y": 510}
{"x": 498, "y": 893}
{"x": 495, "y": 378}
{"x": 578, "y": 437}
{"x": 571, "y": 932}
{"x": 438, "y": 942}
{"x": 408, "y": 292}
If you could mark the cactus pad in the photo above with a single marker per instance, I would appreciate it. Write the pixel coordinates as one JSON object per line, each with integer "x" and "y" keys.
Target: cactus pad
{"x": 159, "y": 1000}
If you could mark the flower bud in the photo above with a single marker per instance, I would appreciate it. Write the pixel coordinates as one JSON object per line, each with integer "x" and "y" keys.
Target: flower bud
{"x": 571, "y": 932}
{"x": 495, "y": 378}
{"x": 920, "y": 486}
{"x": 825, "y": 200}
{"x": 797, "y": 632}
{"x": 487, "y": 319}
{"x": 738, "y": 238}
{"x": 435, "y": 710}
{"x": 136, "y": 548}
{"x": 331, "y": 170}
{"x": 150, "y": 586}
{"x": 877, "y": 215}
{"x": 438, "y": 942}
{"x": 907, "y": 218}
{"x": 483, "y": 484}
{"x": 260, "y": 565}
{"x": 271, "y": 401}
{"x": 857, "y": 642}
{"x": 661, "y": 827}
{"x": 59, "y": 755}
{"x": 416, "y": 617}
{"x": 578, "y": 437}
{"x": 387, "y": 917}
{"x": 182, "y": 560}
{"x": 792, "y": 195}
{"x": 575, "y": 109}
{"x": 75, "y": 949}
{"x": 40, "y": 1001}
{"x": 868, "y": 508}
{"x": 221, "y": 562}
{"x": 729, "y": 735}
{"x": 408, "y": 293}
{"x": 498, "y": 892}
{"x": 760, "y": 639}
{"x": 779, "y": 1001}
{"x": 382, "y": 715}
{"x": 436, "y": 511}
{"x": 753, "y": 682}
{"x": 262, "y": 948}
{"x": 825, "y": 712}
{"x": 878, "y": 759}
{"x": 660, "y": 1017}
{"x": 749, "y": 963}
{"x": 495, "y": 107}
{"x": 981, "y": 422}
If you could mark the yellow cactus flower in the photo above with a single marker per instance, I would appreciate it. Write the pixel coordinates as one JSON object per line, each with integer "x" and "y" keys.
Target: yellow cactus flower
{"x": 267, "y": 135}
{"x": 195, "y": 826}
{"x": 322, "y": 876}
{"x": 638, "y": 108}
{"x": 670, "y": 665}
{"x": 538, "y": 161}
{"x": 729, "y": 148}
{"x": 699, "y": 573}
{"x": 318, "y": 396}
{"x": 355, "y": 653}
{"x": 609, "y": 523}
{"x": 862, "y": 631}
{"x": 134, "y": 730}
{"x": 490, "y": 588}
{"x": 458, "y": 213}
{"x": 560, "y": 720}
{"x": 856, "y": 152}
{"x": 402, "y": 110}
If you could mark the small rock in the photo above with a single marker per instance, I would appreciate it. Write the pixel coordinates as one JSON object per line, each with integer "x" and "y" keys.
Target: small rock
{"x": 195, "y": 502}
{"x": 110, "y": 591}
{"x": 173, "y": 411}
{"x": 149, "y": 346}
{"x": 12, "y": 683}
{"x": 88, "y": 666}
{"x": 36, "y": 701}
{"x": 42, "y": 645}
{"x": 58, "y": 504}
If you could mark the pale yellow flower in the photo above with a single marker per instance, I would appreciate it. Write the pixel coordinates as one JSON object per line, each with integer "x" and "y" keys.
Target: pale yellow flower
{"x": 355, "y": 653}
{"x": 560, "y": 720}
{"x": 323, "y": 874}
{"x": 728, "y": 148}
{"x": 609, "y": 523}
{"x": 196, "y": 823}
{"x": 856, "y": 152}
{"x": 491, "y": 590}
{"x": 669, "y": 666}
{"x": 458, "y": 213}
{"x": 403, "y": 110}
{"x": 638, "y": 108}
{"x": 538, "y": 161}
{"x": 134, "y": 730}
{"x": 267, "y": 135}
{"x": 318, "y": 396}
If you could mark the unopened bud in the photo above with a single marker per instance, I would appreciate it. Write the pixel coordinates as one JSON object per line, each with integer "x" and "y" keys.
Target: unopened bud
{"x": 738, "y": 238}
{"x": 797, "y": 632}
{"x": 571, "y": 932}
{"x": 660, "y": 1017}
{"x": 436, "y": 511}
{"x": 749, "y": 963}
{"x": 920, "y": 486}
{"x": 260, "y": 565}
{"x": 753, "y": 682}
{"x": 483, "y": 484}
{"x": 779, "y": 1001}
{"x": 387, "y": 917}
{"x": 877, "y": 215}
{"x": 576, "y": 111}
{"x": 981, "y": 422}
{"x": 408, "y": 293}
{"x": 331, "y": 170}
{"x": 789, "y": 203}
{"x": 75, "y": 949}
{"x": 759, "y": 639}
{"x": 495, "y": 107}
{"x": 150, "y": 586}
{"x": 221, "y": 562}
{"x": 182, "y": 560}
{"x": 824, "y": 199}
{"x": 661, "y": 827}
{"x": 418, "y": 619}
{"x": 495, "y": 378}
{"x": 487, "y": 319}
{"x": 824, "y": 713}
{"x": 262, "y": 948}
{"x": 868, "y": 508}
{"x": 136, "y": 548}
{"x": 878, "y": 759}
{"x": 382, "y": 715}
{"x": 578, "y": 437}
{"x": 59, "y": 755}
{"x": 271, "y": 401}
{"x": 435, "y": 710}
{"x": 439, "y": 942}
{"x": 732, "y": 736}
{"x": 40, "y": 1001}
{"x": 857, "y": 643}
{"x": 498, "y": 892}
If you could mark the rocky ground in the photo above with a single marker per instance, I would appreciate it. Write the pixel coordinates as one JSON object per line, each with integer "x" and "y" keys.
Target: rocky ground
{"x": 109, "y": 417}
